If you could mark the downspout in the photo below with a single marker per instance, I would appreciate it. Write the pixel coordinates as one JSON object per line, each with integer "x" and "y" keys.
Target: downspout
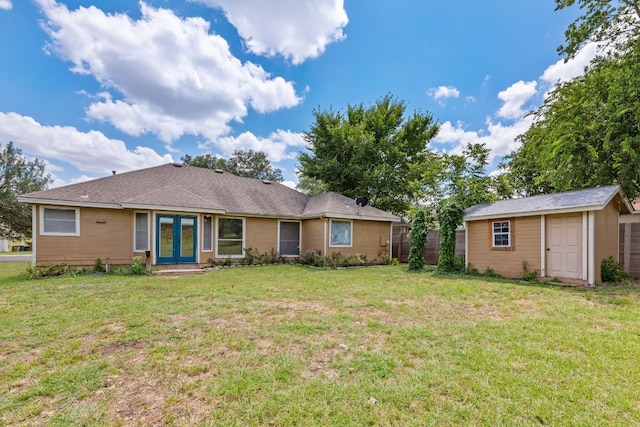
{"x": 466, "y": 245}
{"x": 543, "y": 245}
{"x": 34, "y": 222}
{"x": 592, "y": 247}
{"x": 326, "y": 222}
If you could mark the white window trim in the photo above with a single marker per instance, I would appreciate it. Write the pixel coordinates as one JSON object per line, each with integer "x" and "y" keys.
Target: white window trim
{"x": 77, "y": 216}
{"x": 493, "y": 234}
{"x": 135, "y": 231}
{"x": 244, "y": 235}
{"x": 299, "y": 238}
{"x": 350, "y": 233}
{"x": 213, "y": 224}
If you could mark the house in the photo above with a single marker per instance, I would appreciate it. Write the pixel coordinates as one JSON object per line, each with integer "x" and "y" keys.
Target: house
{"x": 178, "y": 214}
{"x": 563, "y": 235}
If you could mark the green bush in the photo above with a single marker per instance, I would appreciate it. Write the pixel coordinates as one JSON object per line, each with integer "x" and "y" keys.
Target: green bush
{"x": 611, "y": 271}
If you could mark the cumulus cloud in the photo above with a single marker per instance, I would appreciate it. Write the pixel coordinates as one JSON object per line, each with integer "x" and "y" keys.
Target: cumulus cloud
{"x": 276, "y": 146}
{"x": 441, "y": 93}
{"x": 87, "y": 151}
{"x": 499, "y": 138}
{"x": 563, "y": 71}
{"x": 514, "y": 97}
{"x": 6, "y": 4}
{"x": 163, "y": 74}
{"x": 297, "y": 30}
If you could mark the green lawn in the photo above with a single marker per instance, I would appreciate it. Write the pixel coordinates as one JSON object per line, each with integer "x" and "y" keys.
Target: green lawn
{"x": 288, "y": 345}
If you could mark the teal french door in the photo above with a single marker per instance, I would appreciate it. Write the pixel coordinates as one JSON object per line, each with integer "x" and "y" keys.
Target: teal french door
{"x": 176, "y": 238}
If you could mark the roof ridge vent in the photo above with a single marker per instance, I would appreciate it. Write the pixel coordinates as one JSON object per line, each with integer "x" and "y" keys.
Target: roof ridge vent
{"x": 266, "y": 181}
{"x": 218, "y": 170}
{"x": 178, "y": 165}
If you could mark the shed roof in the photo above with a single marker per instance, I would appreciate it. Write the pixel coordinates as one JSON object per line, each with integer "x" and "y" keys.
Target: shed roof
{"x": 177, "y": 187}
{"x": 572, "y": 201}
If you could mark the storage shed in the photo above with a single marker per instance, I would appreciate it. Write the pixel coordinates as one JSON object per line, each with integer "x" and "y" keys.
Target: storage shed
{"x": 562, "y": 235}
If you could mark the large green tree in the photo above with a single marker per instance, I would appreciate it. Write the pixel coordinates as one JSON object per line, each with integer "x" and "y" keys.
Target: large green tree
{"x": 611, "y": 23}
{"x": 586, "y": 133}
{"x": 18, "y": 175}
{"x": 374, "y": 151}
{"x": 250, "y": 164}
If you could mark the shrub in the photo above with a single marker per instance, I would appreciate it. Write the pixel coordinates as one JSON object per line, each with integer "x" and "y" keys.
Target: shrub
{"x": 53, "y": 270}
{"x": 418, "y": 240}
{"x": 611, "y": 271}
{"x": 529, "y": 276}
{"x": 137, "y": 268}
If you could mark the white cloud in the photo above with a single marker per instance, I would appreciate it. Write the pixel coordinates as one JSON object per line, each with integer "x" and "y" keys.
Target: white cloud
{"x": 500, "y": 138}
{"x": 171, "y": 77}
{"x": 6, "y": 4}
{"x": 275, "y": 146}
{"x": 514, "y": 97}
{"x": 563, "y": 71}
{"x": 87, "y": 151}
{"x": 443, "y": 92}
{"x": 297, "y": 30}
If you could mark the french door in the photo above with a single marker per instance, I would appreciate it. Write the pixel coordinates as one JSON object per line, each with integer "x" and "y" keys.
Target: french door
{"x": 176, "y": 238}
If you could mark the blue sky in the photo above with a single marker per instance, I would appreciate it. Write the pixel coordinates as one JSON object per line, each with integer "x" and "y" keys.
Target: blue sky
{"x": 96, "y": 86}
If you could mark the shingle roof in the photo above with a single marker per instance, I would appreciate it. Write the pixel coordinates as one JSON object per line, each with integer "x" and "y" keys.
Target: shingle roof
{"x": 180, "y": 187}
{"x": 572, "y": 201}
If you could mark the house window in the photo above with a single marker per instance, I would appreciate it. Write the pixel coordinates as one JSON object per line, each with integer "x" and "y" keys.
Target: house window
{"x": 501, "y": 234}
{"x": 207, "y": 233}
{"x": 141, "y": 232}
{"x": 230, "y": 238}
{"x": 60, "y": 222}
{"x": 340, "y": 233}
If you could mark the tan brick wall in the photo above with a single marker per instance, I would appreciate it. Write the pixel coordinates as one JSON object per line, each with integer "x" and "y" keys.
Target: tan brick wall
{"x": 369, "y": 238}
{"x": 261, "y": 234}
{"x": 313, "y": 235}
{"x": 525, "y": 247}
{"x": 104, "y": 233}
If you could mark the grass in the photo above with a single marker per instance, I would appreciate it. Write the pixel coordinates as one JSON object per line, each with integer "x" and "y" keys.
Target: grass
{"x": 287, "y": 345}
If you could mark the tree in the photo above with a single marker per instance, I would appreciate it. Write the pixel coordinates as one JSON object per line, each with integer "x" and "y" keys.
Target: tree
{"x": 418, "y": 240}
{"x": 311, "y": 186}
{"x": 465, "y": 183}
{"x": 373, "y": 151}
{"x": 18, "y": 175}
{"x": 250, "y": 164}
{"x": 586, "y": 133}
{"x": 608, "y": 22}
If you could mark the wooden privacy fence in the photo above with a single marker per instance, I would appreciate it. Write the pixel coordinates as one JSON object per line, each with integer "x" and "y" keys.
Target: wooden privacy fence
{"x": 400, "y": 245}
{"x": 629, "y": 247}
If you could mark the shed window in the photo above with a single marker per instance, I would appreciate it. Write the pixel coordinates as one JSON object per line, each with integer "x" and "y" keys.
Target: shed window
{"x": 60, "y": 222}
{"x": 501, "y": 234}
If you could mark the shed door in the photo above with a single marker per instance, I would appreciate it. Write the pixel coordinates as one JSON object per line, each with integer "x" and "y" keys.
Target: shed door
{"x": 564, "y": 246}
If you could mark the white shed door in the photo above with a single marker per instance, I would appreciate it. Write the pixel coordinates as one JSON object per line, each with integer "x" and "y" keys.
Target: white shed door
{"x": 564, "y": 246}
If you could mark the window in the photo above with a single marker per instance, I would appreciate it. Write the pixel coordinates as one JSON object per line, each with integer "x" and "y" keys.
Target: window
{"x": 60, "y": 222}
{"x": 230, "y": 240}
{"x": 340, "y": 233}
{"x": 501, "y": 234}
{"x": 141, "y": 232}
{"x": 207, "y": 233}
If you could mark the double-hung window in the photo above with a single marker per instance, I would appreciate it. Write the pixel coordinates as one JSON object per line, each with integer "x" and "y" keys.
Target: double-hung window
{"x": 60, "y": 221}
{"x": 230, "y": 237}
{"x": 207, "y": 233}
{"x": 501, "y": 235}
{"x": 141, "y": 232}
{"x": 341, "y": 233}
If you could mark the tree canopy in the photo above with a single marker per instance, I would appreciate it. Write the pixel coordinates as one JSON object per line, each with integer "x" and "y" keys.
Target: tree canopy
{"x": 586, "y": 133}
{"x": 18, "y": 175}
{"x": 609, "y": 22}
{"x": 249, "y": 164}
{"x": 373, "y": 151}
